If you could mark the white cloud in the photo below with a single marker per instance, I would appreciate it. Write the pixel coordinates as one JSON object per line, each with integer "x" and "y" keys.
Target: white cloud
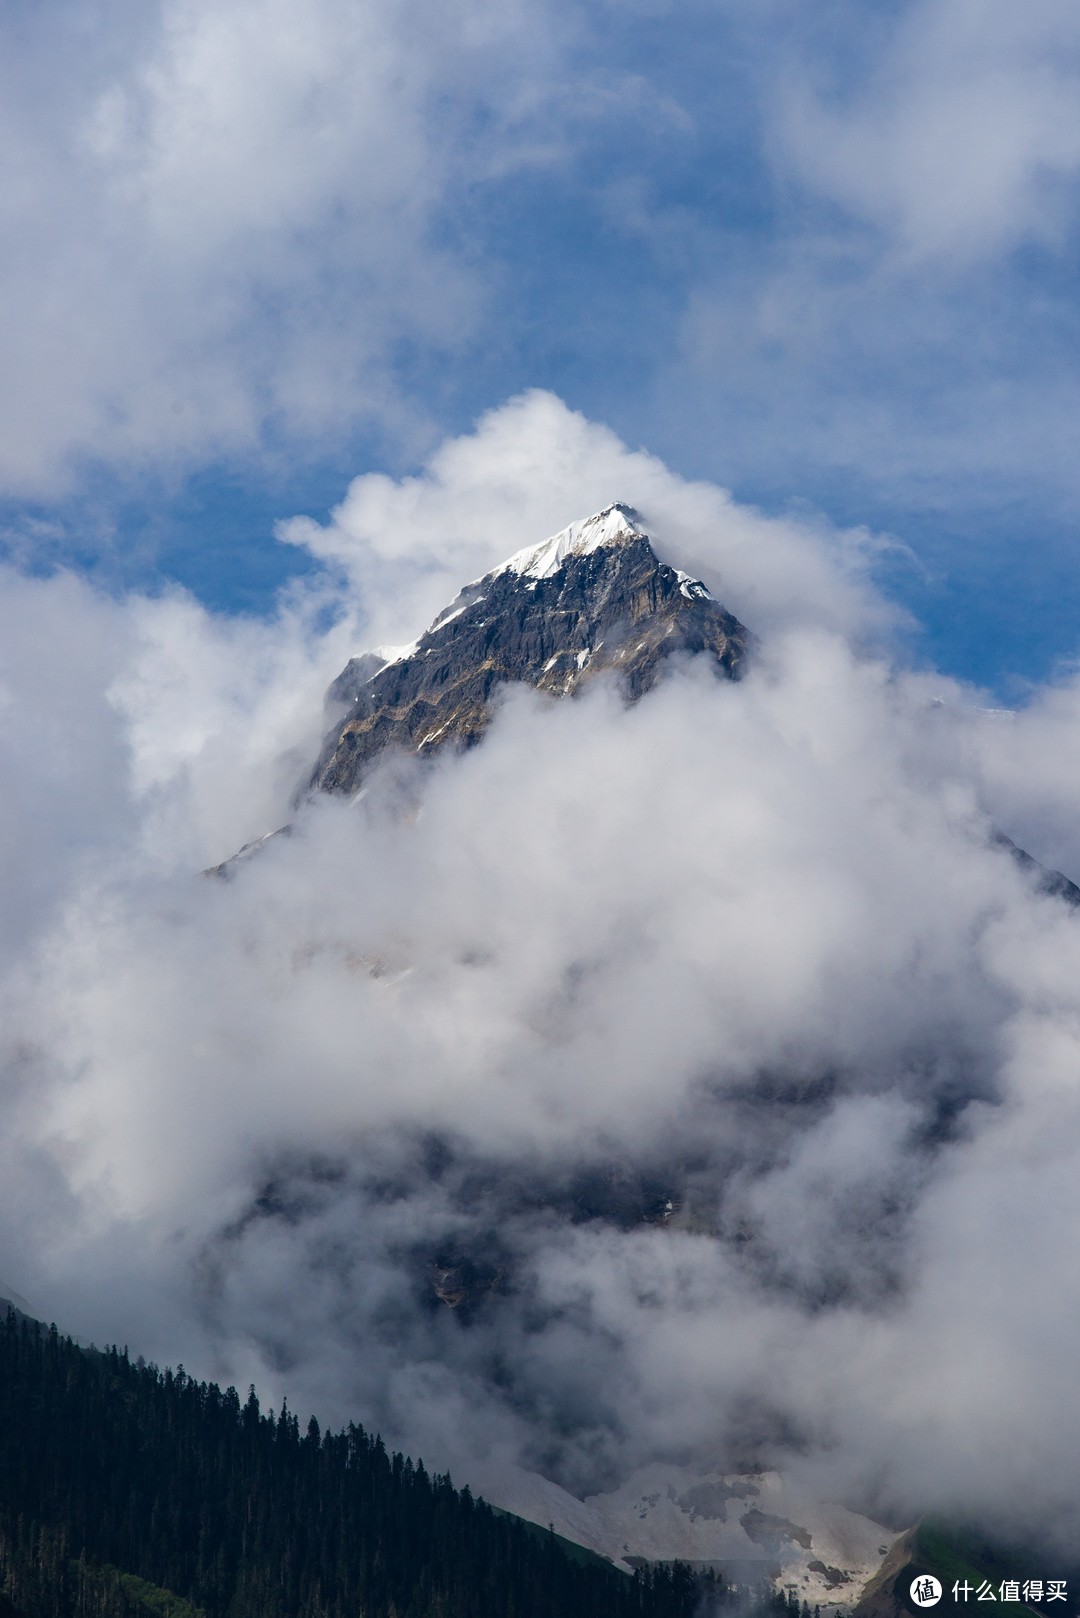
{"x": 881, "y": 319}
{"x": 254, "y": 224}
{"x": 743, "y": 946}
{"x": 224, "y": 216}
{"x": 531, "y": 467}
{"x": 961, "y": 135}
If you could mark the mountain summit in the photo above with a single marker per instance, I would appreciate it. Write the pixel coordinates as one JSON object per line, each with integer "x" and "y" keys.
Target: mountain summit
{"x": 594, "y": 598}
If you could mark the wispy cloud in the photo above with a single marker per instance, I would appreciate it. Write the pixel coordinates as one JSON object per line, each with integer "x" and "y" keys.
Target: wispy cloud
{"x": 221, "y": 218}
{"x": 822, "y": 253}
{"x": 953, "y": 130}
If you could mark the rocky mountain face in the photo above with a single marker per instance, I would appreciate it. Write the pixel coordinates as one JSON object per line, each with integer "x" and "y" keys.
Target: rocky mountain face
{"x": 593, "y": 599}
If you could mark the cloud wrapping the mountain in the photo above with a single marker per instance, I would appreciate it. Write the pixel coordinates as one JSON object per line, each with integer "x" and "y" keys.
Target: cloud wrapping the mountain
{"x": 704, "y": 1053}
{"x": 408, "y": 545}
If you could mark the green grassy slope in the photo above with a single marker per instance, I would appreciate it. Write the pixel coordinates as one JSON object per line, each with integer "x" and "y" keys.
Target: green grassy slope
{"x": 959, "y": 1556}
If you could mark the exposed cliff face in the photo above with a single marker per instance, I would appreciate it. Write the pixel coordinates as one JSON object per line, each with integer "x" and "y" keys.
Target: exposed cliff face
{"x": 594, "y": 599}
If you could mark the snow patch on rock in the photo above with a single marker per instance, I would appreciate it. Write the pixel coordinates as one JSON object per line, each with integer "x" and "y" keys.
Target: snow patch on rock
{"x": 752, "y": 1527}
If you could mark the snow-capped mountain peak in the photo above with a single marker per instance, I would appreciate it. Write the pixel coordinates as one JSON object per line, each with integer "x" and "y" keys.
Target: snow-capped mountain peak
{"x": 613, "y": 526}
{"x": 594, "y": 599}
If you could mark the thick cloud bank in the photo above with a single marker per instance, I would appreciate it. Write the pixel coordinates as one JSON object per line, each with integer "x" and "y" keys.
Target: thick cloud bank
{"x": 690, "y": 1080}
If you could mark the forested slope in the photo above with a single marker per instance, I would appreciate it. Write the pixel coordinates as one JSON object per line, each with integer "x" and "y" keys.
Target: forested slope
{"x": 126, "y": 1491}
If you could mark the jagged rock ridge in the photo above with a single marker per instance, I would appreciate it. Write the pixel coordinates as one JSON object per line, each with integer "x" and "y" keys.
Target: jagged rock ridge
{"x": 593, "y": 599}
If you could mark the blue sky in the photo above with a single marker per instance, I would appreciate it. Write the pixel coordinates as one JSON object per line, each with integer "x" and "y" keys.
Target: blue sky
{"x": 821, "y": 253}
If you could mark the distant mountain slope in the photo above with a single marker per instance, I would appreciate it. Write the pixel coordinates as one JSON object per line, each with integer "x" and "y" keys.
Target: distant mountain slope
{"x": 967, "y": 1557}
{"x": 760, "y": 1530}
{"x": 204, "y": 1501}
{"x": 593, "y": 599}
{"x": 1053, "y": 883}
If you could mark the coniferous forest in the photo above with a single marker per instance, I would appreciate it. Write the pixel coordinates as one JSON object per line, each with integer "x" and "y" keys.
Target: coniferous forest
{"x": 129, "y": 1492}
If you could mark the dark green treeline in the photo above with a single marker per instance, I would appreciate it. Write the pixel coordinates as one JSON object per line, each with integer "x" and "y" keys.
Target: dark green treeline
{"x": 200, "y": 1499}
